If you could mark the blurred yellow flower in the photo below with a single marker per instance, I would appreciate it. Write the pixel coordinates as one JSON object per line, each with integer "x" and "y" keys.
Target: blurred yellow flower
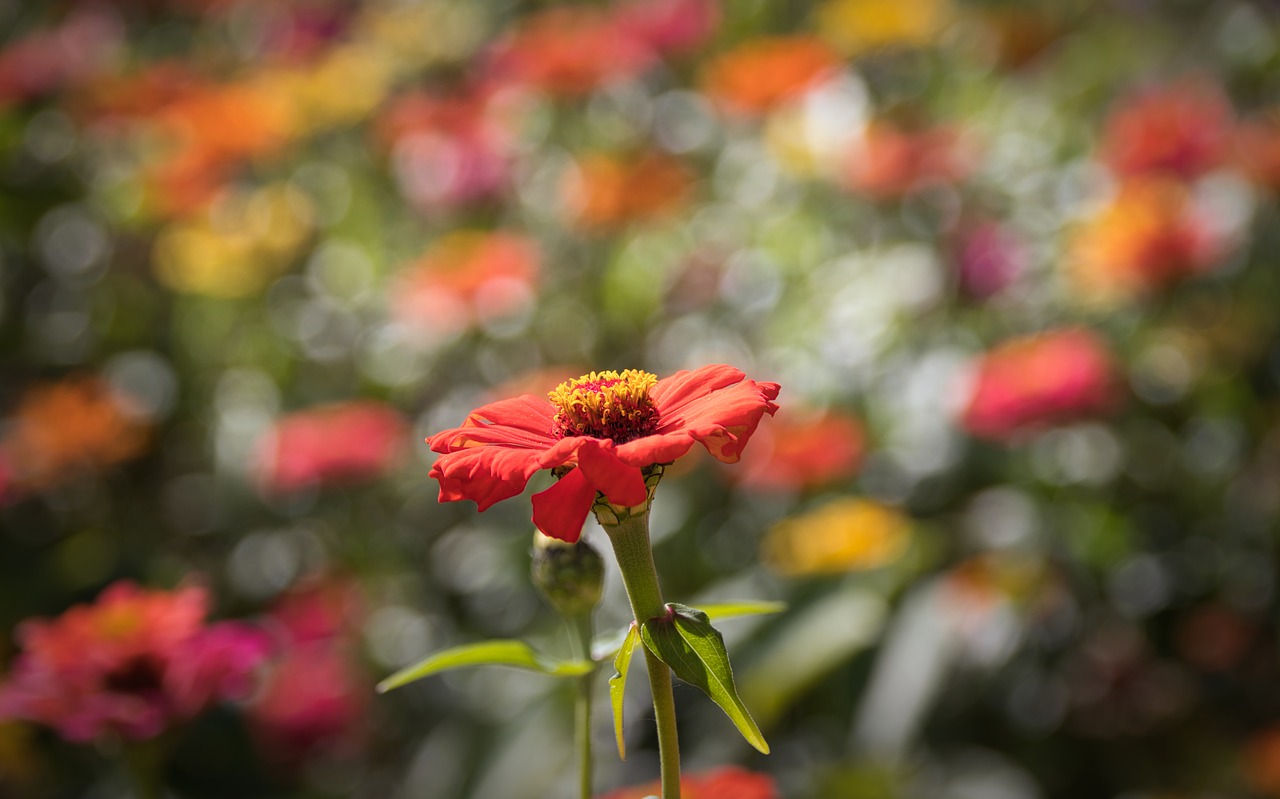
{"x": 855, "y": 26}
{"x": 845, "y": 534}
{"x": 245, "y": 241}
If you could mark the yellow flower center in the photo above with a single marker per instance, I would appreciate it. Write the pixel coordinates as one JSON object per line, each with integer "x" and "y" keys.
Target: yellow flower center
{"x": 613, "y": 405}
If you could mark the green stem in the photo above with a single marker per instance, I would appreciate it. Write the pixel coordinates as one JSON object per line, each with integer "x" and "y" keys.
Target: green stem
{"x": 630, "y": 539}
{"x": 582, "y": 724}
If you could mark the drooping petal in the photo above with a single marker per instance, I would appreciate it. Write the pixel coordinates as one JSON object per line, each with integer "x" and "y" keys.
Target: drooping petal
{"x": 716, "y": 405}
{"x": 485, "y": 474}
{"x": 661, "y": 448}
{"x": 562, "y": 509}
{"x": 621, "y": 484}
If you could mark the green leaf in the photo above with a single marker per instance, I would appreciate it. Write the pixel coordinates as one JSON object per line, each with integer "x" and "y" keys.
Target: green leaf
{"x": 695, "y": 651}
{"x": 516, "y": 654}
{"x": 606, "y": 645}
{"x": 618, "y": 683}
{"x": 725, "y": 610}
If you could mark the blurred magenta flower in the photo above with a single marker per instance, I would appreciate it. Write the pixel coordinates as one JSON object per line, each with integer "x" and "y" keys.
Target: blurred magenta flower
{"x": 467, "y": 277}
{"x": 760, "y": 74}
{"x": 800, "y": 454}
{"x": 1150, "y": 236}
{"x": 598, "y": 432}
{"x": 1182, "y": 129}
{"x": 725, "y": 783}
{"x": 135, "y": 663}
{"x": 988, "y": 258}
{"x": 669, "y": 26}
{"x": 1040, "y": 380}
{"x": 84, "y": 45}
{"x": 330, "y": 445}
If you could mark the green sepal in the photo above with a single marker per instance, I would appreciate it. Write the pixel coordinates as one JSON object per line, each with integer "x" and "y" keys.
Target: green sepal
{"x": 516, "y": 654}
{"x": 685, "y": 640}
{"x": 606, "y": 645}
{"x": 618, "y": 683}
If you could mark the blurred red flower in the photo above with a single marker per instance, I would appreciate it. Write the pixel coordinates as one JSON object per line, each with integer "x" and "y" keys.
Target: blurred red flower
{"x": 329, "y": 445}
{"x": 608, "y": 191}
{"x": 81, "y": 47}
{"x": 134, "y": 663}
{"x": 1258, "y": 149}
{"x": 467, "y": 277}
{"x": 1040, "y": 380}
{"x": 604, "y": 427}
{"x": 891, "y": 161}
{"x": 796, "y": 455}
{"x": 1148, "y": 237}
{"x": 1183, "y": 129}
{"x": 569, "y": 51}
{"x": 725, "y": 783}
{"x": 760, "y": 74}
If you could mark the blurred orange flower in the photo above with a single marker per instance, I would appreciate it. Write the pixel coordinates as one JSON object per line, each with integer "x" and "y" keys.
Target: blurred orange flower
{"x": 890, "y": 161}
{"x": 725, "y": 783}
{"x": 133, "y": 663}
{"x": 568, "y": 51}
{"x": 63, "y": 429}
{"x": 795, "y": 455}
{"x": 760, "y": 74}
{"x": 1262, "y": 762}
{"x": 846, "y": 534}
{"x": 1258, "y": 149}
{"x": 1148, "y": 237}
{"x": 1039, "y": 380}
{"x": 330, "y": 445}
{"x": 1182, "y": 129}
{"x": 608, "y": 191}
{"x": 466, "y": 277}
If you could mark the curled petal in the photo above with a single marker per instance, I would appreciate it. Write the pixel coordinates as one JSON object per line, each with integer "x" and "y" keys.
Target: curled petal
{"x": 621, "y": 484}
{"x": 717, "y": 406}
{"x": 562, "y": 509}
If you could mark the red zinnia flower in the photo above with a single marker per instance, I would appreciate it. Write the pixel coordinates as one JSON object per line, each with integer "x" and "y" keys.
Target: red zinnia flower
{"x": 330, "y": 445}
{"x": 609, "y": 425}
{"x": 725, "y": 783}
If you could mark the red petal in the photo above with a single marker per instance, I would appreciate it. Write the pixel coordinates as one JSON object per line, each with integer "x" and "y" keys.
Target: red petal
{"x": 526, "y": 412}
{"x": 716, "y": 405}
{"x": 672, "y": 393}
{"x": 486, "y": 474}
{"x": 522, "y": 422}
{"x": 620, "y": 483}
{"x": 662, "y": 448}
{"x": 562, "y": 509}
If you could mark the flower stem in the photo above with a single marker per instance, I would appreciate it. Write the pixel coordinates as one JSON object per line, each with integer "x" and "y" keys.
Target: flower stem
{"x": 630, "y": 539}
{"x": 584, "y": 629}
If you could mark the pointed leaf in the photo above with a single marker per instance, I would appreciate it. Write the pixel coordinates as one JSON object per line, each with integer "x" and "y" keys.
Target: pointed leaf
{"x": 726, "y": 610}
{"x": 618, "y": 683}
{"x": 695, "y": 651}
{"x": 516, "y": 654}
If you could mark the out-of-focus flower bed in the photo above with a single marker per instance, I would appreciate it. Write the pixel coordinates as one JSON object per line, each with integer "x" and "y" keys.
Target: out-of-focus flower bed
{"x": 1016, "y": 266}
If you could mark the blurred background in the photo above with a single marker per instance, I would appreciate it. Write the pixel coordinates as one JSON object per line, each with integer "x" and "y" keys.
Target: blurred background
{"x": 1013, "y": 263}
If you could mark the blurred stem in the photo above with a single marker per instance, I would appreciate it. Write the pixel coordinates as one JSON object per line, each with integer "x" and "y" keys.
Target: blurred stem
{"x": 630, "y": 539}
{"x": 584, "y": 629}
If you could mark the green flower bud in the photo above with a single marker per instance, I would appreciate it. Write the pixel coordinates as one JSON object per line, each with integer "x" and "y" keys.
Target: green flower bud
{"x": 569, "y": 576}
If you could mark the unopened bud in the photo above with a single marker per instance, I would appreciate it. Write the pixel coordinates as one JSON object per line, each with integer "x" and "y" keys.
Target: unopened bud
{"x": 569, "y": 576}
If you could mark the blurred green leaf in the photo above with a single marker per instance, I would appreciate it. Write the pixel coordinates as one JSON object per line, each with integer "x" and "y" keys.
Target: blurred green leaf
{"x": 728, "y": 610}
{"x": 695, "y": 651}
{"x": 515, "y": 654}
{"x": 618, "y": 684}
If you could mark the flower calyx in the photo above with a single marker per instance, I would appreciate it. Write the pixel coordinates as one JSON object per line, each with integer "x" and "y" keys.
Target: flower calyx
{"x": 611, "y": 515}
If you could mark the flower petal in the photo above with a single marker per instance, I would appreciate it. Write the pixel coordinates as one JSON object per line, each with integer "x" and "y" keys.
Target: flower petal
{"x": 716, "y": 405}
{"x": 661, "y": 448}
{"x": 486, "y": 474}
{"x": 562, "y": 509}
{"x": 621, "y": 484}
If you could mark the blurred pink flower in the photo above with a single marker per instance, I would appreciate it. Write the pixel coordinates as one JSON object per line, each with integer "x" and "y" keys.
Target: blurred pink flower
{"x": 890, "y": 160}
{"x": 1183, "y": 129}
{"x": 1040, "y": 380}
{"x": 80, "y": 47}
{"x": 725, "y": 783}
{"x": 669, "y": 26}
{"x": 795, "y": 455}
{"x": 315, "y": 696}
{"x": 448, "y": 150}
{"x": 466, "y": 277}
{"x": 328, "y": 445}
{"x": 135, "y": 663}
